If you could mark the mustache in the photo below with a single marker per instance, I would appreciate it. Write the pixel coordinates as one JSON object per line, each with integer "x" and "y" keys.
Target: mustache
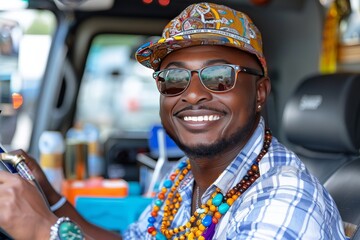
{"x": 198, "y": 107}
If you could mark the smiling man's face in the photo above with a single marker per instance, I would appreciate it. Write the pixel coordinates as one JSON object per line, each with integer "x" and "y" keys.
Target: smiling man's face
{"x": 205, "y": 123}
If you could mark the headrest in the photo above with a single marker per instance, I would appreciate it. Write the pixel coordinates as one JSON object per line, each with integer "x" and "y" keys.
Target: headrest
{"x": 324, "y": 114}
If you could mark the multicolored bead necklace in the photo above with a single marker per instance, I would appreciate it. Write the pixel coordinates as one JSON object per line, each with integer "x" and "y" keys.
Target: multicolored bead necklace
{"x": 202, "y": 223}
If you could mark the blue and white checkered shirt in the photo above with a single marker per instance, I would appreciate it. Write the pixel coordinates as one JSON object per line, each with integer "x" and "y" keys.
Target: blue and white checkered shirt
{"x": 286, "y": 202}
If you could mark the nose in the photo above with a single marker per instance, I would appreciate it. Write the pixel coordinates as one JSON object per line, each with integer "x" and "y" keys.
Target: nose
{"x": 195, "y": 92}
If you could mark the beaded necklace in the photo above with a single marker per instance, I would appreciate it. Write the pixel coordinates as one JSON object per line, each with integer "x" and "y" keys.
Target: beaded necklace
{"x": 202, "y": 223}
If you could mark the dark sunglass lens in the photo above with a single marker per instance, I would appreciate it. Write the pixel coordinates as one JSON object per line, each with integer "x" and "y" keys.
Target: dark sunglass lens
{"x": 218, "y": 78}
{"x": 172, "y": 81}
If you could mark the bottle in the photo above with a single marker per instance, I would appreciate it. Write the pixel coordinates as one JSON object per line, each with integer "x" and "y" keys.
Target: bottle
{"x": 52, "y": 148}
{"x": 96, "y": 163}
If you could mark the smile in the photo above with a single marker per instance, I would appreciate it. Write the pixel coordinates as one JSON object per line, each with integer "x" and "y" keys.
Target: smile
{"x": 201, "y": 118}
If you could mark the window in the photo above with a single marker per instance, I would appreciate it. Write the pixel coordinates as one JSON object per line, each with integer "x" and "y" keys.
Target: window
{"x": 117, "y": 93}
{"x": 25, "y": 38}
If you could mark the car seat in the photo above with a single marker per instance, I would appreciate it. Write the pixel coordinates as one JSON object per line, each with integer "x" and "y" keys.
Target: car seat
{"x": 321, "y": 121}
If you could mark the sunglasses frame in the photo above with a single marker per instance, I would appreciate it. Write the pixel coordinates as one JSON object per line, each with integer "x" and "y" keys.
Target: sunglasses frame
{"x": 236, "y": 68}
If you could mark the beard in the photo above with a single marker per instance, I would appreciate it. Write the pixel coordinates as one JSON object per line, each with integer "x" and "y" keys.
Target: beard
{"x": 217, "y": 148}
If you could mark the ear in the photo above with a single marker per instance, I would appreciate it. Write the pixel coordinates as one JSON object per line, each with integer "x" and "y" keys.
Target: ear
{"x": 263, "y": 88}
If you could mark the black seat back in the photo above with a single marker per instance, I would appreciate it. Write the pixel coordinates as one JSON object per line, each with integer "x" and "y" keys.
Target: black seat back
{"x": 322, "y": 122}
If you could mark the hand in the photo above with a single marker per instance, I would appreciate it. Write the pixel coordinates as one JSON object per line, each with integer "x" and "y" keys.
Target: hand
{"x": 50, "y": 193}
{"x": 23, "y": 212}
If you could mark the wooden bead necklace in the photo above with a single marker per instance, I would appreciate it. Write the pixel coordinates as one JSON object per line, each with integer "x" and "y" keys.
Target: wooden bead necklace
{"x": 202, "y": 223}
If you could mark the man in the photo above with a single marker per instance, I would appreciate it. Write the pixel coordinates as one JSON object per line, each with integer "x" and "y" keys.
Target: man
{"x": 236, "y": 181}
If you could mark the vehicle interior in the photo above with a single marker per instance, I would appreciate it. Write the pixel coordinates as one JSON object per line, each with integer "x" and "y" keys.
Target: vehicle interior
{"x": 69, "y": 67}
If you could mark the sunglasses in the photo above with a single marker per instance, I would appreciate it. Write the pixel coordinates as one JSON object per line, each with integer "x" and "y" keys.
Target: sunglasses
{"x": 217, "y": 78}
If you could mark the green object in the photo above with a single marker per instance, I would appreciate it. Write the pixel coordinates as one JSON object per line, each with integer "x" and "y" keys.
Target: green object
{"x": 65, "y": 229}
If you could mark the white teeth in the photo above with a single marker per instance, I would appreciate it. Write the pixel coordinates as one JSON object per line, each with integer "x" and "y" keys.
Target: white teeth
{"x": 201, "y": 118}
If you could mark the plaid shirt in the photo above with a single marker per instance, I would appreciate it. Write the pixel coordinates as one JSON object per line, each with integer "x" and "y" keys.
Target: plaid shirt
{"x": 286, "y": 202}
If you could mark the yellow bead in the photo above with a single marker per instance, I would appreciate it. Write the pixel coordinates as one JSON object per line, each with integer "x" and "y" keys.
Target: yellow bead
{"x": 192, "y": 219}
{"x": 191, "y": 236}
{"x": 230, "y": 201}
{"x": 201, "y": 238}
{"x": 182, "y": 237}
{"x": 202, "y": 227}
{"x": 212, "y": 208}
{"x": 198, "y": 233}
{"x": 188, "y": 225}
{"x": 235, "y": 197}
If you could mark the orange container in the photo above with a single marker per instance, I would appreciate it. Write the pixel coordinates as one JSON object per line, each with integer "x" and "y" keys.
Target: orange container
{"x": 94, "y": 187}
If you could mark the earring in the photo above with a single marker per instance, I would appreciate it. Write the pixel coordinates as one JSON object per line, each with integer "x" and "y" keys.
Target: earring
{"x": 259, "y": 107}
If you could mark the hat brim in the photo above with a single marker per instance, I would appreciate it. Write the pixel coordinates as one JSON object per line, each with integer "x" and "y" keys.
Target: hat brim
{"x": 151, "y": 54}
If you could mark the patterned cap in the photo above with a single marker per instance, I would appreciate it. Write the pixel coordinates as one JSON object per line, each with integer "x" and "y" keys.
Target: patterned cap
{"x": 204, "y": 24}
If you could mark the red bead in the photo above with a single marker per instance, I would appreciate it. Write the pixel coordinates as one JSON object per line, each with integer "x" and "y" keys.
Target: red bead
{"x": 173, "y": 176}
{"x": 151, "y": 229}
{"x": 161, "y": 196}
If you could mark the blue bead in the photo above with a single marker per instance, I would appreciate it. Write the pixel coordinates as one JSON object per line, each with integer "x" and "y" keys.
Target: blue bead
{"x": 160, "y": 236}
{"x": 151, "y": 220}
{"x": 182, "y": 165}
{"x": 168, "y": 183}
{"x": 217, "y": 200}
{"x": 223, "y": 208}
{"x": 207, "y": 220}
{"x": 158, "y": 202}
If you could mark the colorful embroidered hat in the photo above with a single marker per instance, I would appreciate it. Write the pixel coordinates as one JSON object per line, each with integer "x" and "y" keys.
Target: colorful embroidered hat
{"x": 204, "y": 24}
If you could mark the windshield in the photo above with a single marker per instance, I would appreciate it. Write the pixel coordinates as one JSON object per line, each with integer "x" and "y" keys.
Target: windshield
{"x": 25, "y": 39}
{"x": 124, "y": 97}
